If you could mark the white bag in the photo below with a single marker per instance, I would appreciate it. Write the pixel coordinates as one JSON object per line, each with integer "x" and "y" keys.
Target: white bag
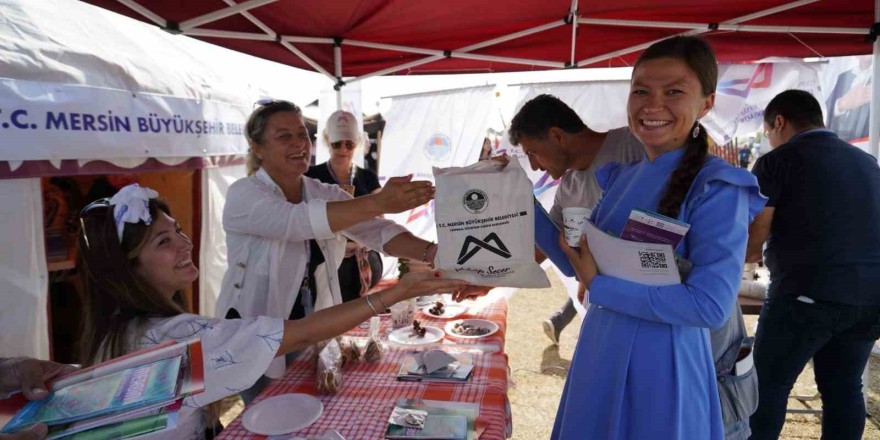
{"x": 486, "y": 225}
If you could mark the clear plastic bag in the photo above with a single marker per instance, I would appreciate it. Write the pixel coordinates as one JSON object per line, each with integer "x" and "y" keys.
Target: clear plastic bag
{"x": 328, "y": 378}
{"x": 375, "y": 349}
{"x": 351, "y": 352}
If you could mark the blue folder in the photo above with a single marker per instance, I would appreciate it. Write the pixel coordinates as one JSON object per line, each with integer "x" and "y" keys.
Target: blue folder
{"x": 547, "y": 240}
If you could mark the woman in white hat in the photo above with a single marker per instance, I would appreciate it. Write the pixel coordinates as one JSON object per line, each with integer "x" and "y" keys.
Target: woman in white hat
{"x": 362, "y": 267}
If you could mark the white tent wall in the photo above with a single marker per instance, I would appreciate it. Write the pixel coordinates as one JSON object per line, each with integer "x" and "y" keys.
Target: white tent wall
{"x": 744, "y": 90}
{"x": 23, "y": 276}
{"x": 441, "y": 129}
{"x": 600, "y": 104}
{"x": 212, "y": 255}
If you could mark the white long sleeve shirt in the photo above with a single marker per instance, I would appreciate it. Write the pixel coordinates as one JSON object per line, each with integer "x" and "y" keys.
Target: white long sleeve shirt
{"x": 236, "y": 352}
{"x": 267, "y": 241}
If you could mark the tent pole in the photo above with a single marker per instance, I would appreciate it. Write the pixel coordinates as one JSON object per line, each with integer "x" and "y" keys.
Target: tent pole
{"x": 337, "y": 62}
{"x": 512, "y": 36}
{"x": 527, "y": 62}
{"x": 723, "y": 26}
{"x": 736, "y": 20}
{"x": 472, "y": 47}
{"x": 308, "y": 60}
{"x": 253, "y": 19}
{"x": 135, "y": 6}
{"x": 393, "y": 69}
{"x": 392, "y": 47}
{"x": 197, "y": 32}
{"x": 874, "y": 123}
{"x": 223, "y": 13}
{"x": 309, "y": 40}
{"x": 573, "y": 16}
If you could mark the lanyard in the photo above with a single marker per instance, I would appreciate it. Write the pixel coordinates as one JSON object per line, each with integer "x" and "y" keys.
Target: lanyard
{"x": 305, "y": 293}
{"x": 333, "y": 175}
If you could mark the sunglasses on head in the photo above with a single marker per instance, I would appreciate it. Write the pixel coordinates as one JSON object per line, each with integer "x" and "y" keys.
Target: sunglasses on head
{"x": 268, "y": 102}
{"x": 100, "y": 203}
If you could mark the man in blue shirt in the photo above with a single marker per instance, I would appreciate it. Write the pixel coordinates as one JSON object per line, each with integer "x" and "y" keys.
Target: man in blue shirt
{"x": 822, "y": 228}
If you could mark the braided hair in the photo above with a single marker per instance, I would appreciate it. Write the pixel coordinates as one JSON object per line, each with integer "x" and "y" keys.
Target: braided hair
{"x": 700, "y": 59}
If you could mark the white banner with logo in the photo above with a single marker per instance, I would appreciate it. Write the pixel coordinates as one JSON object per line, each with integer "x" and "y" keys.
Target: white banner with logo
{"x": 744, "y": 90}
{"x": 600, "y": 104}
{"x": 440, "y": 129}
{"x": 43, "y": 121}
{"x": 847, "y": 83}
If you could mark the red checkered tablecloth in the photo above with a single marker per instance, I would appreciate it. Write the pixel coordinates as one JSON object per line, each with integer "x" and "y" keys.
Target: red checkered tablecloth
{"x": 361, "y": 407}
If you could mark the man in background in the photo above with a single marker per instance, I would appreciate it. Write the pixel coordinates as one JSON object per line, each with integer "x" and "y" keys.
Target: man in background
{"x": 822, "y": 228}
{"x": 557, "y": 141}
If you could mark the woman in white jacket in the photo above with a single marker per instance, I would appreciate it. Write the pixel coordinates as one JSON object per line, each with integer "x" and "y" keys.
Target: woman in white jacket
{"x": 286, "y": 233}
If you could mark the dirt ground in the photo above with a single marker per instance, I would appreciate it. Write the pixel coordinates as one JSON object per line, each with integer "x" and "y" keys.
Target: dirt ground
{"x": 538, "y": 370}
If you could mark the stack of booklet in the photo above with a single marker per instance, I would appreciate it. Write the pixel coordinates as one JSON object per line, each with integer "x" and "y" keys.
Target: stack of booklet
{"x": 132, "y": 395}
{"x": 430, "y": 419}
{"x": 645, "y": 252}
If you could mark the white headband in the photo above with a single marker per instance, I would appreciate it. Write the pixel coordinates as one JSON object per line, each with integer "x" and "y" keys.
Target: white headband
{"x": 132, "y": 205}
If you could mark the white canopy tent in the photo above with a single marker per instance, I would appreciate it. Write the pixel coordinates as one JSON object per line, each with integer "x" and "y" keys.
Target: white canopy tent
{"x": 87, "y": 91}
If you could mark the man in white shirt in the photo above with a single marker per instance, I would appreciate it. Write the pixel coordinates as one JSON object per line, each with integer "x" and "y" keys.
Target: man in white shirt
{"x": 556, "y": 140}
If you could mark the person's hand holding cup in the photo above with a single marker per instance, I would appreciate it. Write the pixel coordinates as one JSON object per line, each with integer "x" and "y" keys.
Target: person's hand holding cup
{"x": 575, "y": 219}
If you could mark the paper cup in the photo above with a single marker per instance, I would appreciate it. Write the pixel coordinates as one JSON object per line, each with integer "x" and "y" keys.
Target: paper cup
{"x": 575, "y": 220}
{"x": 402, "y": 314}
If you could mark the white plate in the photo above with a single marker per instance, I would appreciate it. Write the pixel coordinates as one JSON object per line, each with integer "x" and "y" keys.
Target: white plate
{"x": 450, "y": 311}
{"x": 404, "y": 336}
{"x": 491, "y": 326}
{"x": 282, "y": 414}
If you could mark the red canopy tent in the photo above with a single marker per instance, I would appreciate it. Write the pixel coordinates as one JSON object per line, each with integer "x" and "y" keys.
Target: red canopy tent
{"x": 349, "y": 40}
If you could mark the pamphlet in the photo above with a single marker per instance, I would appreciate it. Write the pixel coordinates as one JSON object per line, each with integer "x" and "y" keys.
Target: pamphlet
{"x": 649, "y": 227}
{"x": 645, "y": 263}
{"x": 123, "y": 390}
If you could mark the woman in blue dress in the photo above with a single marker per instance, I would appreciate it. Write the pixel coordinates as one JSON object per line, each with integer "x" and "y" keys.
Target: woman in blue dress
{"x": 643, "y": 367}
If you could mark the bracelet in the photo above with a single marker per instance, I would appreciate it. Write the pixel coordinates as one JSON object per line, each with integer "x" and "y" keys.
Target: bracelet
{"x": 367, "y": 297}
{"x": 379, "y": 297}
{"x": 425, "y": 254}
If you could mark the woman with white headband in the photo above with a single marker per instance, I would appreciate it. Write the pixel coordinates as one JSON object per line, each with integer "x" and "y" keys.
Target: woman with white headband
{"x": 361, "y": 268}
{"x": 135, "y": 261}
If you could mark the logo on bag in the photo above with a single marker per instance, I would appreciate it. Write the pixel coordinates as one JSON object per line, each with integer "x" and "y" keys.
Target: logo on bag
{"x": 475, "y": 201}
{"x": 491, "y": 243}
{"x": 438, "y": 147}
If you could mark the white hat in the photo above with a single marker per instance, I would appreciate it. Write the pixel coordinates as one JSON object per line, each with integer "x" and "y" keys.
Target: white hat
{"x": 342, "y": 126}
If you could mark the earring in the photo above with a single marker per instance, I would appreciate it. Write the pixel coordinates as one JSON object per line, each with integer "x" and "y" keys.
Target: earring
{"x": 696, "y": 130}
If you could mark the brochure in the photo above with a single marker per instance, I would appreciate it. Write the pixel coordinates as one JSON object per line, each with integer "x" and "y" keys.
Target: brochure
{"x": 123, "y": 390}
{"x": 645, "y": 263}
{"x": 451, "y": 420}
{"x": 650, "y": 227}
{"x": 144, "y": 383}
